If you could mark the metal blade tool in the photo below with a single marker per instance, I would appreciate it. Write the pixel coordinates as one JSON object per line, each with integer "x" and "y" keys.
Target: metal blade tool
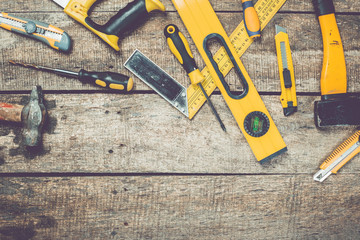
{"x": 286, "y": 71}
{"x": 48, "y": 34}
{"x": 346, "y": 151}
{"x": 157, "y": 79}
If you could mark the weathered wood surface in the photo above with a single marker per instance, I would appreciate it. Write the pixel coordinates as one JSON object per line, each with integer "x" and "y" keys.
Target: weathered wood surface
{"x": 260, "y": 59}
{"x": 180, "y": 207}
{"x": 132, "y": 167}
{"x": 143, "y": 133}
{"x": 219, "y": 5}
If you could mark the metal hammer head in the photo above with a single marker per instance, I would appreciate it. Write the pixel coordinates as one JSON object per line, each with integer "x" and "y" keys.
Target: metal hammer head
{"x": 337, "y": 111}
{"x": 33, "y": 117}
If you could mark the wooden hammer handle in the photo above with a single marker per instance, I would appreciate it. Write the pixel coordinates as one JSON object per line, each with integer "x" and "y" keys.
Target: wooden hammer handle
{"x": 10, "y": 112}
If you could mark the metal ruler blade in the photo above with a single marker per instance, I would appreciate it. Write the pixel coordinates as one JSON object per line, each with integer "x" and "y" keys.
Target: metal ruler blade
{"x": 266, "y": 10}
{"x": 158, "y": 80}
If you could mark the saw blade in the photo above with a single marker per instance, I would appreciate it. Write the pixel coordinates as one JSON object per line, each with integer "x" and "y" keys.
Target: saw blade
{"x": 62, "y": 3}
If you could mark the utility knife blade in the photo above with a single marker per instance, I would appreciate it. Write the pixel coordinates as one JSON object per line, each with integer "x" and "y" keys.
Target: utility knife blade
{"x": 46, "y": 33}
{"x": 286, "y": 71}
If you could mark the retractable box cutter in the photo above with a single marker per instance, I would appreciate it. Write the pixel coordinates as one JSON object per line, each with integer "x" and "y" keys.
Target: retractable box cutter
{"x": 48, "y": 34}
{"x": 346, "y": 151}
{"x": 125, "y": 20}
{"x": 286, "y": 71}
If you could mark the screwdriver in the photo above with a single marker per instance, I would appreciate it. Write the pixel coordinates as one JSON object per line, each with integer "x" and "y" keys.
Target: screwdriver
{"x": 180, "y": 48}
{"x": 111, "y": 80}
{"x": 251, "y": 19}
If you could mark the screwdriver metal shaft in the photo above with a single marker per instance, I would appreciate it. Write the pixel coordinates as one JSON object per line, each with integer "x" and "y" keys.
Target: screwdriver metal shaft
{"x": 112, "y": 80}
{"x": 180, "y": 48}
{"x": 212, "y": 107}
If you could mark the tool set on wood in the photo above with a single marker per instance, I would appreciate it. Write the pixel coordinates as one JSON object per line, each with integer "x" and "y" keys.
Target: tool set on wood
{"x": 336, "y": 106}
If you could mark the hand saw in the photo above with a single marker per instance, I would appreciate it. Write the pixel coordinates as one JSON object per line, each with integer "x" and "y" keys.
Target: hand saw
{"x": 247, "y": 107}
{"x": 266, "y": 9}
{"x": 346, "y": 151}
{"x": 126, "y": 19}
{"x": 48, "y": 34}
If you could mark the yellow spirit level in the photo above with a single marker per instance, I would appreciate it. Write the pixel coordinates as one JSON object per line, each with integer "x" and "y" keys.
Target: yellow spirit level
{"x": 248, "y": 109}
{"x": 266, "y": 9}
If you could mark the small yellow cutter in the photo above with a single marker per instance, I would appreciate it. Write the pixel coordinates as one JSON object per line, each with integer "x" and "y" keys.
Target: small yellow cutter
{"x": 346, "y": 151}
{"x": 286, "y": 71}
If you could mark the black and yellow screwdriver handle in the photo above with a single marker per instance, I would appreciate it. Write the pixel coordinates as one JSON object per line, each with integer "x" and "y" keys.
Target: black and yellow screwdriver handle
{"x": 111, "y": 80}
{"x": 46, "y": 33}
{"x": 179, "y": 46}
{"x": 333, "y": 76}
{"x": 126, "y": 19}
{"x": 251, "y": 19}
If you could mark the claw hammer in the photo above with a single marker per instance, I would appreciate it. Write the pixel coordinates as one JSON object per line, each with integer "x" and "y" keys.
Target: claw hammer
{"x": 32, "y": 116}
{"x": 336, "y": 106}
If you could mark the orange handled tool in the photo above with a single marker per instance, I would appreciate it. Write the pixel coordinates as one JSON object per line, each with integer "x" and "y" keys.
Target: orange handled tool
{"x": 346, "y": 151}
{"x": 251, "y": 19}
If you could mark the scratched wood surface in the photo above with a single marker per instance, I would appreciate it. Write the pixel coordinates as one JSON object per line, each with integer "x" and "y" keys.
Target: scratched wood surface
{"x": 180, "y": 207}
{"x": 133, "y": 167}
{"x": 142, "y": 133}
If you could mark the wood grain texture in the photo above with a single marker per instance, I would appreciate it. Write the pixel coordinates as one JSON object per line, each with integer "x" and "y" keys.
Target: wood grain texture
{"x": 131, "y": 166}
{"x": 180, "y": 207}
{"x": 143, "y": 133}
{"x": 218, "y": 5}
{"x": 260, "y": 59}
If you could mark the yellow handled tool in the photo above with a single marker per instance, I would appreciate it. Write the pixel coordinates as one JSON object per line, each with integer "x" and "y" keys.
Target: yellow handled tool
{"x": 333, "y": 75}
{"x": 125, "y": 20}
{"x": 48, "y": 34}
{"x": 346, "y": 151}
{"x": 286, "y": 71}
{"x": 179, "y": 46}
{"x": 111, "y": 80}
{"x": 251, "y": 19}
{"x": 336, "y": 107}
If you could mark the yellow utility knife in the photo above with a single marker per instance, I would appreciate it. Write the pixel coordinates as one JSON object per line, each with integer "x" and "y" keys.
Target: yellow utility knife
{"x": 126, "y": 19}
{"x": 346, "y": 151}
{"x": 286, "y": 71}
{"x": 48, "y": 34}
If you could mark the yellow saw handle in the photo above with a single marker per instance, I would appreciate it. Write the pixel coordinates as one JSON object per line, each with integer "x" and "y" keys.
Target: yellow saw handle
{"x": 333, "y": 75}
{"x": 126, "y": 19}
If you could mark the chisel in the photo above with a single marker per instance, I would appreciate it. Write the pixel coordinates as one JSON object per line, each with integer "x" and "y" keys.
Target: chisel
{"x": 111, "y": 80}
{"x": 179, "y": 46}
{"x": 48, "y": 34}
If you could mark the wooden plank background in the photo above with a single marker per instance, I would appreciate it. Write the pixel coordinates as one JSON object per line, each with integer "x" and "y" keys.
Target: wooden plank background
{"x": 130, "y": 166}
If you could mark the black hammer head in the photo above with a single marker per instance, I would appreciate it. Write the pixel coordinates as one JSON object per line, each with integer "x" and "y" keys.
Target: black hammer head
{"x": 33, "y": 117}
{"x": 336, "y": 112}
